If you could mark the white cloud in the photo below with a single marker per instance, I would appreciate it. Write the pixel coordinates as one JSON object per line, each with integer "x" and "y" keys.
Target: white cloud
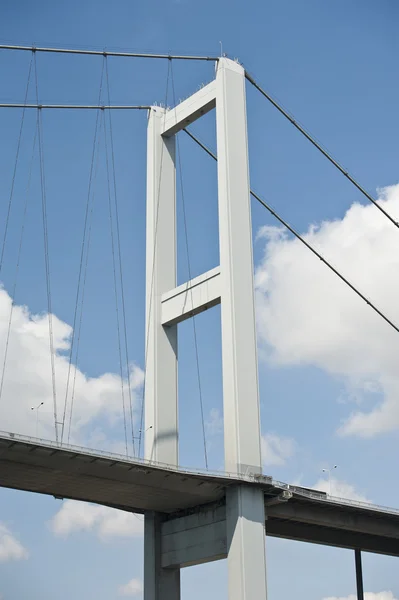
{"x": 105, "y": 522}
{"x": 10, "y": 547}
{"x": 367, "y": 596}
{"x": 28, "y": 381}
{"x": 276, "y": 450}
{"x": 307, "y": 316}
{"x": 134, "y": 588}
{"x": 339, "y": 489}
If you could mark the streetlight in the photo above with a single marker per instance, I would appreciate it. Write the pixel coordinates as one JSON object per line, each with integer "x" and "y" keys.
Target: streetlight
{"x": 36, "y": 408}
{"x": 144, "y": 430}
{"x": 329, "y": 475}
{"x": 136, "y": 437}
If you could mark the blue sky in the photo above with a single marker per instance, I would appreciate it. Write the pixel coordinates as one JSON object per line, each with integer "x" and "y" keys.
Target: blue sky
{"x": 327, "y": 365}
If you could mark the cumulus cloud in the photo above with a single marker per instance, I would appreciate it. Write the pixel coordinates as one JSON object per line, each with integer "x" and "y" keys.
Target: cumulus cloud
{"x": 339, "y": 489}
{"x": 276, "y": 450}
{"x": 106, "y": 522}
{"x": 10, "y": 547}
{"x": 135, "y": 588}
{"x": 28, "y": 381}
{"x": 307, "y": 316}
{"x": 367, "y": 596}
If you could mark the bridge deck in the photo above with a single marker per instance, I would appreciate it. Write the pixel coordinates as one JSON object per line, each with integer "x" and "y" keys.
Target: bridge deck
{"x": 137, "y": 486}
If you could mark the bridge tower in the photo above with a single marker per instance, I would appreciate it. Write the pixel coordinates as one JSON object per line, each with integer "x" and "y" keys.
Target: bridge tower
{"x": 236, "y": 530}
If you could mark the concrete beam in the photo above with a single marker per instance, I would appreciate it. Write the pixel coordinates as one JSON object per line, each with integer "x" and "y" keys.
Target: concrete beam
{"x": 327, "y": 536}
{"x": 326, "y": 515}
{"x": 190, "y": 110}
{"x": 191, "y": 298}
{"x": 194, "y": 539}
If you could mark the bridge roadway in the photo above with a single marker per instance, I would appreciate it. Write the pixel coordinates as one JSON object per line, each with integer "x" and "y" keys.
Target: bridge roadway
{"x": 137, "y": 486}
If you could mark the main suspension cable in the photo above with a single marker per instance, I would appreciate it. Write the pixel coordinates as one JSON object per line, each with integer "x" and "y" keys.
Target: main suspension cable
{"x": 10, "y": 199}
{"x": 301, "y": 239}
{"x": 189, "y": 277}
{"x": 109, "y": 53}
{"x": 320, "y": 148}
{"x": 46, "y": 255}
{"x": 78, "y": 106}
{"x": 118, "y": 237}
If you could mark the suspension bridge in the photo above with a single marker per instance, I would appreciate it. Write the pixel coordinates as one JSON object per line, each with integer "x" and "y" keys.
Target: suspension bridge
{"x": 191, "y": 516}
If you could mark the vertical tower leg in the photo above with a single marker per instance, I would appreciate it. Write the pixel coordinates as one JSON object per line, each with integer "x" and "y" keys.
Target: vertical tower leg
{"x": 245, "y": 506}
{"x": 161, "y": 435}
{"x": 161, "y": 431}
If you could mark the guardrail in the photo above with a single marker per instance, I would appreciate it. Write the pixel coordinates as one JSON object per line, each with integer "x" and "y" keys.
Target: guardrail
{"x": 323, "y": 497}
{"x": 247, "y": 477}
{"x": 123, "y": 457}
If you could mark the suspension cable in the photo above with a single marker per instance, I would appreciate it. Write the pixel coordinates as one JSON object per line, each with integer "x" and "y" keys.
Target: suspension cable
{"x": 109, "y": 53}
{"x": 14, "y": 289}
{"x": 302, "y": 239}
{"x": 10, "y": 199}
{"x": 84, "y": 281}
{"x": 189, "y": 277}
{"x": 153, "y": 270}
{"x": 324, "y": 152}
{"x": 46, "y": 254}
{"x": 81, "y": 262}
{"x": 111, "y": 222}
{"x": 118, "y": 237}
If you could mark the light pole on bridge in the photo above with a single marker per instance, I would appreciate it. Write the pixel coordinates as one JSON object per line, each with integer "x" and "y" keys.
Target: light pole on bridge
{"x": 329, "y": 475}
{"x": 36, "y": 408}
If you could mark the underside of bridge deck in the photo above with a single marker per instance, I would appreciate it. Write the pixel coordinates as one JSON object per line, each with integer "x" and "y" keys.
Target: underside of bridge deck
{"x": 136, "y": 486}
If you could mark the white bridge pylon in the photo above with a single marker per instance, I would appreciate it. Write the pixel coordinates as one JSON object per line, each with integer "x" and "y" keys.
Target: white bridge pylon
{"x": 238, "y": 531}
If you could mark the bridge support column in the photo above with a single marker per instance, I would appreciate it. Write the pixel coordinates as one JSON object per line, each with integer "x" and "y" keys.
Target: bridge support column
{"x": 242, "y": 437}
{"x": 245, "y": 528}
{"x": 159, "y": 583}
{"x": 161, "y": 432}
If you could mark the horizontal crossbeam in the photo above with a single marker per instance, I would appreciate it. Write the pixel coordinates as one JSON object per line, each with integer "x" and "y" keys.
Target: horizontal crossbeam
{"x": 191, "y": 298}
{"x": 194, "y": 539}
{"x": 190, "y": 110}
